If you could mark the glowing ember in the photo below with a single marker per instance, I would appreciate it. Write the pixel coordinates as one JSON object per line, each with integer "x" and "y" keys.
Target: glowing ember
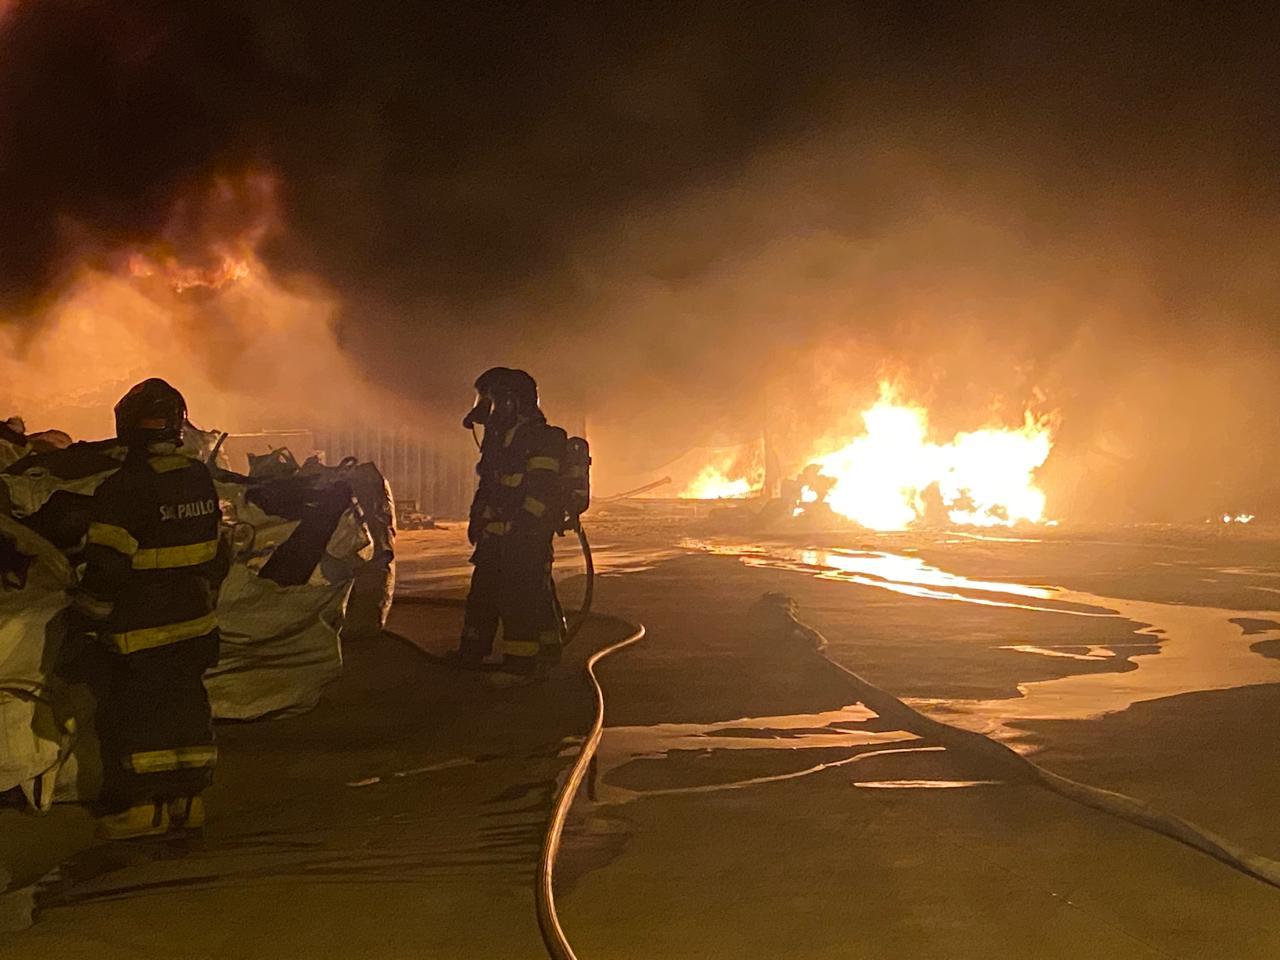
{"x": 985, "y": 478}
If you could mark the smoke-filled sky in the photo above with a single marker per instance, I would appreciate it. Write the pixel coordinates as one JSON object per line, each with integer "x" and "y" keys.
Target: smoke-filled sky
{"x": 694, "y": 219}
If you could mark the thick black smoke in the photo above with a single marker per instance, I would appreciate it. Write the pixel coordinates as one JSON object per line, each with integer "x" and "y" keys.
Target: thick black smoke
{"x": 695, "y": 220}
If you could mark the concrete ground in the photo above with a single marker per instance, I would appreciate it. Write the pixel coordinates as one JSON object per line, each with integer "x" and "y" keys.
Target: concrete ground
{"x": 746, "y": 806}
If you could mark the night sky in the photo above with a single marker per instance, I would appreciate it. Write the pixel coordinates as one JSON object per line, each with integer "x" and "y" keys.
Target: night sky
{"x": 670, "y": 205}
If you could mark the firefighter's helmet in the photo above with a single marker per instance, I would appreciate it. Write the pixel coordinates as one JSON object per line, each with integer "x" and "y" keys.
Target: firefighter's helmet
{"x": 503, "y": 392}
{"x": 151, "y": 411}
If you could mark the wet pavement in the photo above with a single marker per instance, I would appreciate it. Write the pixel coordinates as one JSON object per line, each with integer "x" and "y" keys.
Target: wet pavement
{"x": 744, "y": 804}
{"x": 772, "y": 808}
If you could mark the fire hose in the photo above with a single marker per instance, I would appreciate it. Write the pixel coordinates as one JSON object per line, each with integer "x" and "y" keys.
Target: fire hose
{"x": 1018, "y": 768}
{"x": 588, "y": 596}
{"x": 590, "y": 591}
{"x": 553, "y": 937}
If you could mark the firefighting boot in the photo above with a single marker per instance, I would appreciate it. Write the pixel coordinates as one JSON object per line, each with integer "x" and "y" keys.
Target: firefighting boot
{"x": 520, "y": 674}
{"x": 143, "y": 820}
{"x": 187, "y": 813}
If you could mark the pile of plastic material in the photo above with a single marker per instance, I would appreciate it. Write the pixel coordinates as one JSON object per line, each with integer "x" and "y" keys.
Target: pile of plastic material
{"x": 301, "y": 538}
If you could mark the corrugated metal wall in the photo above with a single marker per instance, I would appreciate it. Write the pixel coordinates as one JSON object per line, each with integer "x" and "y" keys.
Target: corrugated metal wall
{"x": 432, "y": 472}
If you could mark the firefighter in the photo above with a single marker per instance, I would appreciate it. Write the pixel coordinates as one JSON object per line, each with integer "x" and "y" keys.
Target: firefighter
{"x": 153, "y": 564}
{"x": 517, "y": 510}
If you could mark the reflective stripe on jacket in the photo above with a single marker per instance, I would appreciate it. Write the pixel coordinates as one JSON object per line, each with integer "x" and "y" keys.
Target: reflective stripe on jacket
{"x": 152, "y": 553}
{"x": 519, "y": 491}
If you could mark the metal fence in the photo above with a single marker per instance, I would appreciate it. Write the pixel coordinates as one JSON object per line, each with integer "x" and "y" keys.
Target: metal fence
{"x": 430, "y": 473}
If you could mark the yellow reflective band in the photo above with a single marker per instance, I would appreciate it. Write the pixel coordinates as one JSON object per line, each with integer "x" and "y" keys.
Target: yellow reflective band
{"x": 132, "y": 641}
{"x": 166, "y": 558}
{"x": 543, "y": 463}
{"x": 549, "y": 638}
{"x": 520, "y": 648}
{"x": 511, "y": 435}
{"x": 109, "y": 535}
{"x": 170, "y": 462}
{"x": 575, "y": 472}
{"x": 498, "y": 529}
{"x": 162, "y": 761}
{"x": 512, "y": 480}
{"x": 536, "y": 507}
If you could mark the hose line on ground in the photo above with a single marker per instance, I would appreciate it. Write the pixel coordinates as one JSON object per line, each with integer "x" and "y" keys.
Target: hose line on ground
{"x": 590, "y": 592}
{"x": 544, "y": 893}
{"x": 1018, "y": 768}
{"x": 553, "y": 937}
{"x": 588, "y": 595}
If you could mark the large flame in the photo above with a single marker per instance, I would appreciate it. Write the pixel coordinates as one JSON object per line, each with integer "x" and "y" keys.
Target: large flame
{"x": 199, "y": 308}
{"x": 885, "y": 477}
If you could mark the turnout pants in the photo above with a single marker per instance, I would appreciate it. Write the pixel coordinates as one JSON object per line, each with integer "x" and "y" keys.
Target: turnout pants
{"x": 512, "y": 585}
{"x": 154, "y": 724}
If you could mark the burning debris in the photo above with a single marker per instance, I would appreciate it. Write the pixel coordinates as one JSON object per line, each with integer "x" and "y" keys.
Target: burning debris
{"x": 892, "y": 475}
{"x": 889, "y": 477}
{"x": 732, "y": 473}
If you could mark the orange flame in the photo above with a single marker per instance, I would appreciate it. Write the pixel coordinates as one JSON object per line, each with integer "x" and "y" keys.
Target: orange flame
{"x": 201, "y": 310}
{"x": 712, "y": 483}
{"x": 982, "y": 478}
{"x": 892, "y": 474}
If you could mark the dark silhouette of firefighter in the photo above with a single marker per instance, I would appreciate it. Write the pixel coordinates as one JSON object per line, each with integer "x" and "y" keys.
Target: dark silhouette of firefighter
{"x": 153, "y": 564}
{"x": 518, "y": 509}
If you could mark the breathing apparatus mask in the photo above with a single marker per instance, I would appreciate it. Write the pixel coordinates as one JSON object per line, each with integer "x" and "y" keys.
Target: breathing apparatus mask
{"x": 481, "y": 412}
{"x": 501, "y": 393}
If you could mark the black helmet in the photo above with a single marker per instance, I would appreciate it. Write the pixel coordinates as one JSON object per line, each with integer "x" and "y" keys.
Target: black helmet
{"x": 151, "y": 411}
{"x": 504, "y": 391}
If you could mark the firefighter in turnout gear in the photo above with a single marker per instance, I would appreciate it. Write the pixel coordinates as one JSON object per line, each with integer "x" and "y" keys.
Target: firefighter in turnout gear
{"x": 153, "y": 565}
{"x": 517, "y": 511}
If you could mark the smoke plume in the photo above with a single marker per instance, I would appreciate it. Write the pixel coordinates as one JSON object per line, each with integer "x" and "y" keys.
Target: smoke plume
{"x": 695, "y": 227}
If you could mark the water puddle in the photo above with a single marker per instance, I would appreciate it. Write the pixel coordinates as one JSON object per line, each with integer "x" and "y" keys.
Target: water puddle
{"x": 438, "y": 559}
{"x": 848, "y": 729}
{"x": 1092, "y": 652}
{"x": 1183, "y": 648}
{"x": 1177, "y": 648}
{"x": 991, "y": 538}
